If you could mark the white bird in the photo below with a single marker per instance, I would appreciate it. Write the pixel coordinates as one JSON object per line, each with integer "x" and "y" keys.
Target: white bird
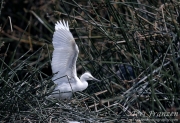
{"x": 64, "y": 64}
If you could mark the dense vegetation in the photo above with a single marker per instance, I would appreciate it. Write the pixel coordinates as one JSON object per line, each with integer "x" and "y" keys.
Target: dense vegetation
{"x": 133, "y": 46}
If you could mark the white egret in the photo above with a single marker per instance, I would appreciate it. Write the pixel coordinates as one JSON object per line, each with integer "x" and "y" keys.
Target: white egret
{"x": 64, "y": 64}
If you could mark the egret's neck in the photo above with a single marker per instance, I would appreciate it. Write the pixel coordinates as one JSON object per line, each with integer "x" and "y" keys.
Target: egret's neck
{"x": 82, "y": 78}
{"x": 84, "y": 83}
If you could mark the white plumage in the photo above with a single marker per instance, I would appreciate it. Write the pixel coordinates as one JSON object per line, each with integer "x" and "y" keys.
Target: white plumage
{"x": 64, "y": 64}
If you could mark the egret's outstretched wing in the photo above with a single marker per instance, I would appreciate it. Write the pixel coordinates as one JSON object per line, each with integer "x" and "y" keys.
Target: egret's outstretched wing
{"x": 65, "y": 52}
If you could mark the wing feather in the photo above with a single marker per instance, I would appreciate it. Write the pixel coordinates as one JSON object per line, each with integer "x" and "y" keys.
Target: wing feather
{"x": 65, "y": 52}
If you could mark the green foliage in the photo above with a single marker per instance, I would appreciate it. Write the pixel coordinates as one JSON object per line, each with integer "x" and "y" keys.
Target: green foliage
{"x": 139, "y": 37}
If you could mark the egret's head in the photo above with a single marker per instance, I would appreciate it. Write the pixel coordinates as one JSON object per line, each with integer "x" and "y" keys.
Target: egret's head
{"x": 87, "y": 76}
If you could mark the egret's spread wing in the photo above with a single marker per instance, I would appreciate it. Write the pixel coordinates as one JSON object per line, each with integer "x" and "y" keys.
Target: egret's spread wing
{"x": 65, "y": 53}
